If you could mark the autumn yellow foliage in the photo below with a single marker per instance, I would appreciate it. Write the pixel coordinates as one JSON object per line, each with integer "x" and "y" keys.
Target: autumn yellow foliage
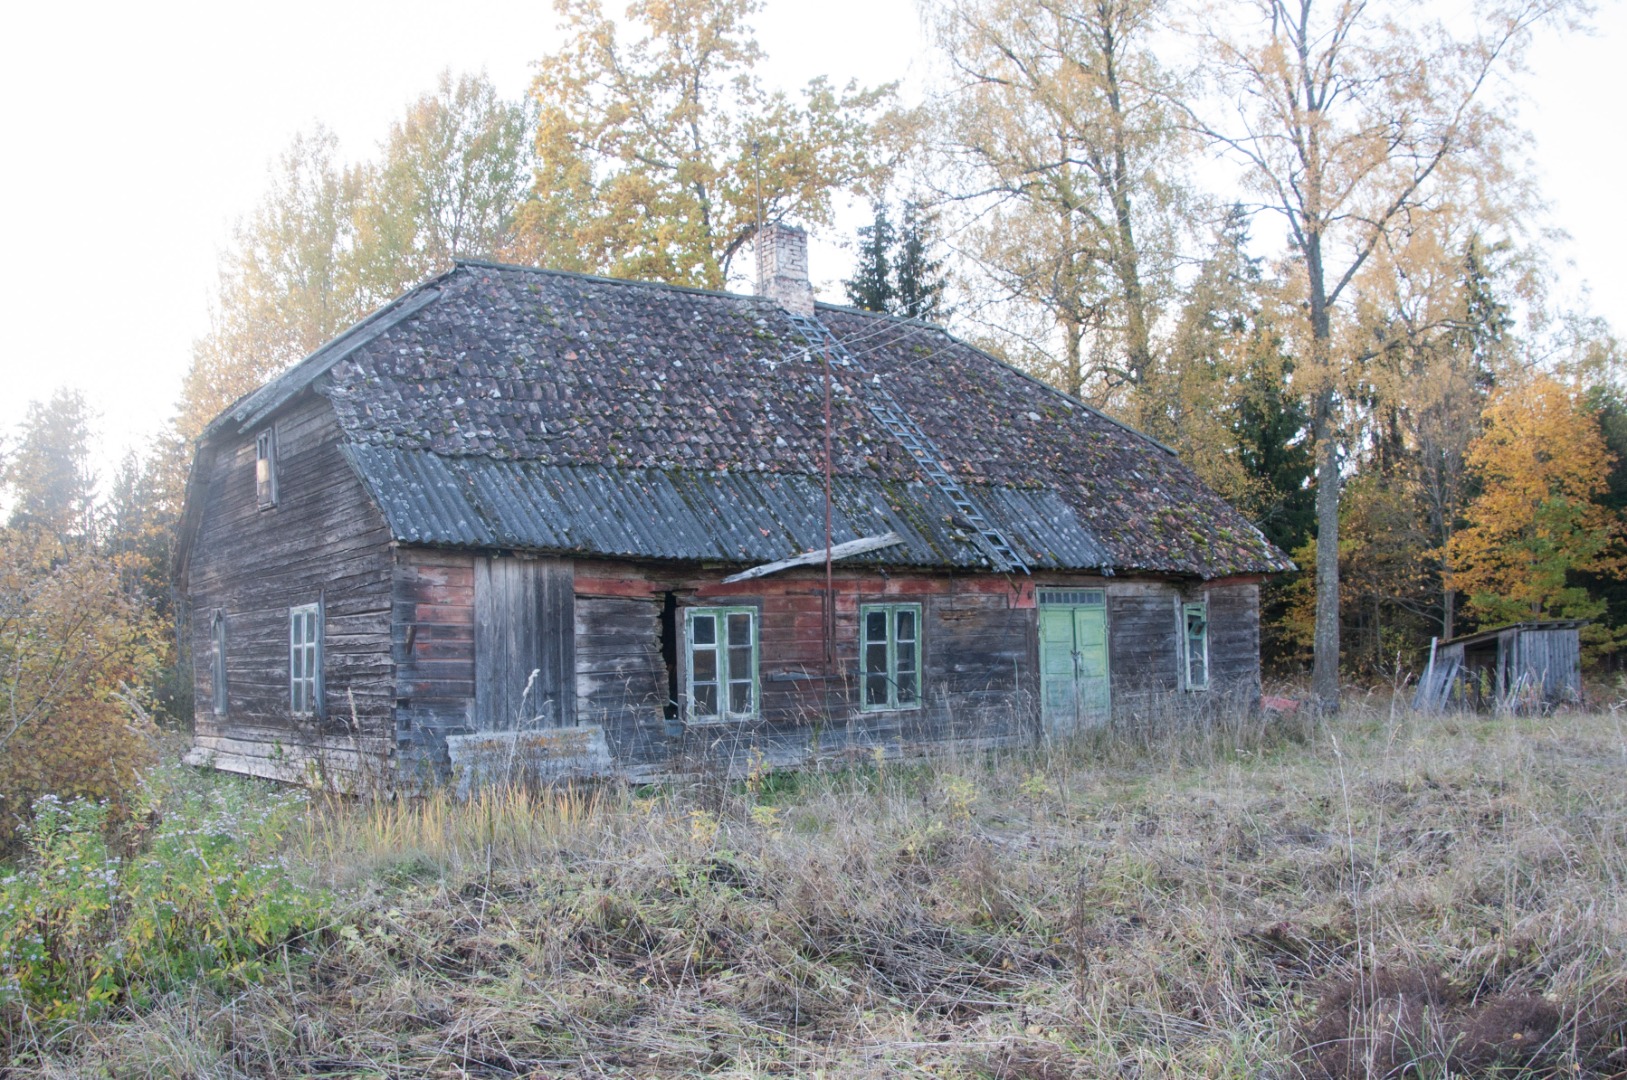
{"x": 1541, "y": 463}
{"x": 75, "y": 647}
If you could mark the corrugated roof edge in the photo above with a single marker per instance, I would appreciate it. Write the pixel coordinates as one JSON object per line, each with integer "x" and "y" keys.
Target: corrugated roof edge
{"x": 253, "y": 406}
{"x": 1042, "y": 384}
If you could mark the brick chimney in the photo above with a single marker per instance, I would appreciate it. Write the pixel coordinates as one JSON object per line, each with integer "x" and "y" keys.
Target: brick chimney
{"x": 782, "y": 267}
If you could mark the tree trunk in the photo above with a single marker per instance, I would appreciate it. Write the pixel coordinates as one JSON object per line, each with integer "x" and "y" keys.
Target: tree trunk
{"x": 1325, "y": 666}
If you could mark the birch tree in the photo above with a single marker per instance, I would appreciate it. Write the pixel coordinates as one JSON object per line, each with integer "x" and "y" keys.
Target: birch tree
{"x": 1353, "y": 118}
{"x": 1062, "y": 150}
{"x": 659, "y": 147}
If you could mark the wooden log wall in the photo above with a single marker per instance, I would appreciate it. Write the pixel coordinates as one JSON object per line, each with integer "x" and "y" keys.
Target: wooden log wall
{"x": 1144, "y": 644}
{"x": 433, "y": 641}
{"x": 1234, "y": 641}
{"x": 979, "y": 659}
{"x": 324, "y": 540}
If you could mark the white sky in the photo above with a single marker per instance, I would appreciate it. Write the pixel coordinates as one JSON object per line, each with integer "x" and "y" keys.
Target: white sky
{"x": 137, "y": 134}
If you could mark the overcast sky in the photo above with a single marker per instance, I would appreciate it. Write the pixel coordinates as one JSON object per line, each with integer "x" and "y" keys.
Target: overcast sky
{"x": 137, "y": 134}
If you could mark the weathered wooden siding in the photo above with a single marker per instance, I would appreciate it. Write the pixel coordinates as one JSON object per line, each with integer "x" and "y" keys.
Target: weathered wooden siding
{"x": 525, "y": 643}
{"x": 1234, "y": 643}
{"x": 433, "y": 641}
{"x": 1551, "y": 659}
{"x": 323, "y": 540}
{"x": 1144, "y": 645}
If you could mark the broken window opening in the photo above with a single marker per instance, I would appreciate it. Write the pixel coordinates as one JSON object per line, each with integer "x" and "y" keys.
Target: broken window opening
{"x": 265, "y": 468}
{"x": 218, "y": 665}
{"x": 1195, "y": 646}
{"x": 669, "y": 653}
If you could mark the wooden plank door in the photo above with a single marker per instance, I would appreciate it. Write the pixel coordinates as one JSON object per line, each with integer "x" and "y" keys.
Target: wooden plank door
{"x": 1075, "y": 687}
{"x": 525, "y": 644}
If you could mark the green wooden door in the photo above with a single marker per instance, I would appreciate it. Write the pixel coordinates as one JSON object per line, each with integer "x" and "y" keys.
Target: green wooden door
{"x": 1074, "y": 687}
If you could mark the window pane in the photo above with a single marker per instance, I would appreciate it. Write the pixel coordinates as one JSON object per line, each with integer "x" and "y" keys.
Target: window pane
{"x": 705, "y": 699}
{"x": 740, "y": 662}
{"x": 875, "y": 625}
{"x": 740, "y": 697}
{"x": 875, "y": 689}
{"x": 875, "y": 658}
{"x": 703, "y": 630}
{"x": 906, "y": 656}
{"x": 906, "y": 688}
{"x": 906, "y": 624}
{"x": 740, "y": 629}
{"x": 705, "y": 665}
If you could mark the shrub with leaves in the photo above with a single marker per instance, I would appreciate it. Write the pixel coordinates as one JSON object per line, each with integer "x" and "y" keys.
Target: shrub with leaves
{"x": 206, "y": 897}
{"x": 75, "y": 646}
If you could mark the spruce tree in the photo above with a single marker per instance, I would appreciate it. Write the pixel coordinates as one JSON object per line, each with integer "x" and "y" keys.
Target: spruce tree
{"x": 917, "y": 276}
{"x": 871, "y": 286}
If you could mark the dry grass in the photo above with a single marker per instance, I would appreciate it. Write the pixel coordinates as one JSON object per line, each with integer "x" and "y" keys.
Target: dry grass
{"x": 1388, "y": 895}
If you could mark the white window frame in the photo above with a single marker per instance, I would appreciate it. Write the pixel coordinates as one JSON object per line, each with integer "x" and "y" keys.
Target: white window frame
{"x": 265, "y": 468}
{"x": 891, "y": 642}
{"x": 217, "y": 663}
{"x": 305, "y": 660}
{"x": 1183, "y": 614}
{"x": 725, "y": 678}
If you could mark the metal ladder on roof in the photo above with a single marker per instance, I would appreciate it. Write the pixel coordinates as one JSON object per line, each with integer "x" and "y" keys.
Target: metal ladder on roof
{"x": 1001, "y": 553}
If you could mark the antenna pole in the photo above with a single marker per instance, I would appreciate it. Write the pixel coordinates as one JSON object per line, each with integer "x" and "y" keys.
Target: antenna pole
{"x": 757, "y": 168}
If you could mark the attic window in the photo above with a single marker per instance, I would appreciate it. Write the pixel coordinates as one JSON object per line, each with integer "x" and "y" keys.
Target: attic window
{"x": 1195, "y": 646}
{"x": 265, "y": 468}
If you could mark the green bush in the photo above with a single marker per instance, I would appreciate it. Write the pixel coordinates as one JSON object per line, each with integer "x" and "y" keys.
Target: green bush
{"x": 205, "y": 896}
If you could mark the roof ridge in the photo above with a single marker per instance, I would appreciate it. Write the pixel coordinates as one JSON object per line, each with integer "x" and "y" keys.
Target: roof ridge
{"x": 605, "y": 279}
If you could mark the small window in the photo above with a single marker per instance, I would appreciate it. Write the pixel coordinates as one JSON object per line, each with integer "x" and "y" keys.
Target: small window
{"x": 1195, "y": 646}
{"x": 890, "y": 655}
{"x": 265, "y": 468}
{"x": 305, "y": 660}
{"x": 722, "y": 668}
{"x": 218, "y": 662}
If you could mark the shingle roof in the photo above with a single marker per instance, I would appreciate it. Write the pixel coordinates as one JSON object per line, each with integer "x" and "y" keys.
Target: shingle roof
{"x": 529, "y": 408}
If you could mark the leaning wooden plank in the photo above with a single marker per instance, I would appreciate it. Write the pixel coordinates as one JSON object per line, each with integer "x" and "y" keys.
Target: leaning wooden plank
{"x": 809, "y": 558}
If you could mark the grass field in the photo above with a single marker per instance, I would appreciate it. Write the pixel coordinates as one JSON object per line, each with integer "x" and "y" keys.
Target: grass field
{"x": 1383, "y": 894}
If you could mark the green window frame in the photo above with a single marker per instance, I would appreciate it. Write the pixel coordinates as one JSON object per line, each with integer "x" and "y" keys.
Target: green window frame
{"x": 305, "y": 660}
{"x": 1194, "y": 629}
{"x": 889, "y": 657}
{"x": 720, "y": 669}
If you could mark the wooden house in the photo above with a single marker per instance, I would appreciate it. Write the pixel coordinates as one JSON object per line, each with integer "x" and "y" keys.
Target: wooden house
{"x": 1522, "y": 666}
{"x": 580, "y": 524}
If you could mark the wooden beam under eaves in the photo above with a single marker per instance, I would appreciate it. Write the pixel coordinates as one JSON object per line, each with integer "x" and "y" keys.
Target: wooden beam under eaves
{"x": 817, "y": 555}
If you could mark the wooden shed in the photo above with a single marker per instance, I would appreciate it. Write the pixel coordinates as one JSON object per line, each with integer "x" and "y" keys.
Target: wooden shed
{"x": 1523, "y": 666}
